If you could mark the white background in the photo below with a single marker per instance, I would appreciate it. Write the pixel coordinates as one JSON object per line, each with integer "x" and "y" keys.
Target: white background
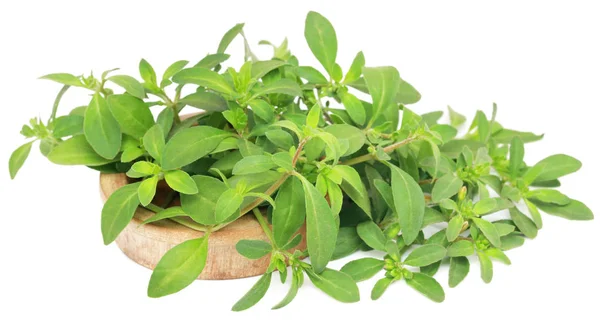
{"x": 539, "y": 61}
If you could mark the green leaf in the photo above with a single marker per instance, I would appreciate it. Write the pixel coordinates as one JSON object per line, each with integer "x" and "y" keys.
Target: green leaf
{"x": 336, "y": 284}
{"x": 489, "y": 231}
{"x": 261, "y": 68}
{"x": 355, "y": 68}
{"x": 550, "y": 196}
{"x": 283, "y": 160}
{"x": 181, "y": 182}
{"x": 409, "y": 203}
{"x": 428, "y": 286}
{"x": 311, "y": 75}
{"x": 344, "y": 132}
{"x": 132, "y": 114}
{"x": 407, "y": 94}
{"x": 575, "y": 210}
{"x": 556, "y": 166}
{"x": 297, "y": 278}
{"x": 165, "y": 119}
{"x": 17, "y": 159}
{"x": 380, "y": 287}
{"x": 206, "y": 78}
{"x": 446, "y": 187}
{"x": 433, "y": 216}
{"x": 281, "y": 86}
{"x": 486, "y": 267}
{"x": 347, "y": 242}
{"x": 354, "y": 187}
{"x": 253, "y": 249}
{"x": 201, "y": 206}
{"x": 461, "y": 248}
{"x": 179, "y": 267}
{"x": 118, "y": 211}
{"x": 171, "y": 71}
{"x": 229, "y": 37}
{"x": 101, "y": 129}
{"x": 67, "y": 125}
{"x": 497, "y": 254}
{"x": 354, "y": 107}
{"x": 228, "y": 204}
{"x": 253, "y": 165}
{"x": 505, "y": 136}
{"x": 459, "y": 268}
{"x": 154, "y": 142}
{"x": 491, "y": 205}
{"x": 255, "y": 294}
{"x": 206, "y": 101}
{"x": 456, "y": 119}
{"x": 454, "y": 228}
{"x": 321, "y": 227}
{"x": 321, "y": 39}
{"x": 512, "y": 241}
{"x": 517, "y": 152}
{"x": 263, "y": 110}
{"x": 76, "y": 151}
{"x": 130, "y": 84}
{"x": 147, "y": 190}
{"x": 383, "y": 84}
{"x": 372, "y": 235}
{"x": 190, "y": 145}
{"x": 168, "y": 213}
{"x": 425, "y": 255}
{"x": 64, "y": 78}
{"x": 147, "y": 73}
{"x": 363, "y": 269}
{"x": 212, "y": 60}
{"x": 289, "y": 212}
{"x": 525, "y": 225}
{"x": 280, "y": 138}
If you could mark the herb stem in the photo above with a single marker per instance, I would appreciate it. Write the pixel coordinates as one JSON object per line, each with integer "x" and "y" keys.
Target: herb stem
{"x": 264, "y": 224}
{"x": 369, "y": 156}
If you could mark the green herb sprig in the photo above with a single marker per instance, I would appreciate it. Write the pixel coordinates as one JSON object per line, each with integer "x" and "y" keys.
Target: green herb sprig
{"x": 295, "y": 145}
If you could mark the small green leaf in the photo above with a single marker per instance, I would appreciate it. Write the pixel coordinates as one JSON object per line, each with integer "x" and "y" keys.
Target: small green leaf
{"x": 321, "y": 39}
{"x": 281, "y": 86}
{"x": 428, "y": 286}
{"x": 154, "y": 141}
{"x": 228, "y": 204}
{"x": 202, "y": 205}
{"x": 289, "y": 212}
{"x": 425, "y": 255}
{"x": 347, "y": 242}
{"x": 283, "y": 160}
{"x": 454, "y": 228}
{"x": 64, "y": 78}
{"x": 409, "y": 203}
{"x": 255, "y": 294}
{"x": 263, "y": 110}
{"x": 67, "y": 125}
{"x": 575, "y": 210}
{"x": 354, "y": 187}
{"x": 486, "y": 267}
{"x": 171, "y": 71}
{"x": 446, "y": 187}
{"x": 118, "y": 211}
{"x": 168, "y": 213}
{"x": 344, "y": 132}
{"x": 456, "y": 119}
{"x": 311, "y": 75}
{"x": 363, "y": 269}
{"x": 101, "y": 129}
{"x": 380, "y": 287}
{"x": 179, "y": 267}
{"x": 147, "y": 190}
{"x": 206, "y": 78}
{"x": 354, "y": 107}
{"x": 556, "y": 166}
{"x": 130, "y": 84}
{"x": 461, "y": 248}
{"x": 181, "y": 182}
{"x": 517, "y": 152}
{"x": 497, "y": 254}
{"x": 313, "y": 116}
{"x": 229, "y": 36}
{"x": 190, "y": 145}
{"x": 132, "y": 114}
{"x": 253, "y": 249}
{"x": 489, "y": 231}
{"x": 383, "y": 84}
{"x": 17, "y": 159}
{"x": 321, "y": 227}
{"x": 550, "y": 196}
{"x": 147, "y": 73}
{"x": 336, "y": 284}
{"x": 356, "y": 67}
{"x": 459, "y": 268}
{"x": 76, "y": 151}
{"x": 525, "y": 225}
{"x": 207, "y": 101}
{"x": 297, "y": 279}
{"x": 253, "y": 165}
{"x": 372, "y": 235}
{"x": 280, "y": 138}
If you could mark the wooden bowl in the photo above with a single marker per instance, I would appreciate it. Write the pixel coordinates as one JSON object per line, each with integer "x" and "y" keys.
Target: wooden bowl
{"x": 146, "y": 244}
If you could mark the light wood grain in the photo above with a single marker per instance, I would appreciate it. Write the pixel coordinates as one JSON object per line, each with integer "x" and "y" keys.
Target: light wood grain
{"x": 146, "y": 244}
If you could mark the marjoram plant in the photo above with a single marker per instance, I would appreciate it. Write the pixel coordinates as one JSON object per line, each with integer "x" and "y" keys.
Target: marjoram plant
{"x": 295, "y": 145}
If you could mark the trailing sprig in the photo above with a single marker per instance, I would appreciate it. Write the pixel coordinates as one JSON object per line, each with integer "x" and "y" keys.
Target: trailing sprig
{"x": 298, "y": 147}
